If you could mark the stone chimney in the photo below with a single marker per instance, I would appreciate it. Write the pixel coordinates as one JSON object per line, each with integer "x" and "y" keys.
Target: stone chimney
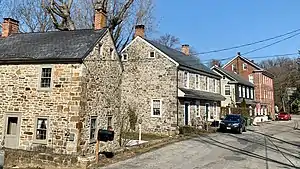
{"x": 185, "y": 49}
{"x": 139, "y": 31}
{"x": 9, "y": 26}
{"x": 100, "y": 20}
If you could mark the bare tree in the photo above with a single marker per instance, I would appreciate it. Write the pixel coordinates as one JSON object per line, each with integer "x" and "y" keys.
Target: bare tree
{"x": 168, "y": 40}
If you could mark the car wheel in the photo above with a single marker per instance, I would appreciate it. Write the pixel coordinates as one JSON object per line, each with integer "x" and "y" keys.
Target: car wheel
{"x": 240, "y": 130}
{"x": 244, "y": 130}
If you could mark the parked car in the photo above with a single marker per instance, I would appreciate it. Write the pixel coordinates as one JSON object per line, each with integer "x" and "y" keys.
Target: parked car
{"x": 284, "y": 116}
{"x": 233, "y": 122}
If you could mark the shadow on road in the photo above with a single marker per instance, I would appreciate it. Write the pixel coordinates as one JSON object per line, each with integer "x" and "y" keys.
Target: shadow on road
{"x": 210, "y": 141}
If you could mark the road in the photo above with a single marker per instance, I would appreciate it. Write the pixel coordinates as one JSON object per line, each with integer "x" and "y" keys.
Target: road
{"x": 270, "y": 145}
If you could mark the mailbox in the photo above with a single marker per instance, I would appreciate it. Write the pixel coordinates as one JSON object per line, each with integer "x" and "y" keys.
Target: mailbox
{"x": 105, "y": 135}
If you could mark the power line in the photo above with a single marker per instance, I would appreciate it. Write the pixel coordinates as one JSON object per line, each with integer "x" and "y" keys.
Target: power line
{"x": 248, "y": 44}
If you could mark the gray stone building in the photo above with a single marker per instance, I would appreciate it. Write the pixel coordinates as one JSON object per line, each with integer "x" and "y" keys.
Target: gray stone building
{"x": 57, "y": 88}
{"x": 235, "y": 88}
{"x": 167, "y": 88}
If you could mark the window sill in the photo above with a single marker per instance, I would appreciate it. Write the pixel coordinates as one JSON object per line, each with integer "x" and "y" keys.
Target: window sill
{"x": 155, "y": 116}
{"x": 93, "y": 141}
{"x": 44, "y": 89}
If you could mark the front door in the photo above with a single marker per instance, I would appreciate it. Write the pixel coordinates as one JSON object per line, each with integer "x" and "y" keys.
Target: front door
{"x": 186, "y": 113}
{"x": 207, "y": 113}
{"x": 12, "y": 130}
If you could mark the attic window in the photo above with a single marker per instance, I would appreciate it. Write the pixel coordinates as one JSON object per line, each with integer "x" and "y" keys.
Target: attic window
{"x": 151, "y": 54}
{"x": 244, "y": 66}
{"x": 111, "y": 52}
{"x": 124, "y": 57}
{"x": 99, "y": 47}
{"x": 233, "y": 67}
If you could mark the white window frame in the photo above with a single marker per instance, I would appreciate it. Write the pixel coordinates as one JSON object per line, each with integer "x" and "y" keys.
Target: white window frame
{"x": 251, "y": 78}
{"x": 244, "y": 92}
{"x": 40, "y": 78}
{"x": 233, "y": 66}
{"x": 35, "y": 140}
{"x": 214, "y": 85}
{"x": 197, "y": 86}
{"x": 197, "y": 106}
{"x": 112, "y": 53}
{"x": 186, "y": 83}
{"x": 228, "y": 86}
{"x": 123, "y": 57}
{"x": 90, "y": 128}
{"x": 240, "y": 91}
{"x": 150, "y": 54}
{"x": 251, "y": 93}
{"x": 245, "y": 66}
{"x": 160, "y": 114}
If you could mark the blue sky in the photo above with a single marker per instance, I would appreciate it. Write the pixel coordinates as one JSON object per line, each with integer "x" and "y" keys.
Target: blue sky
{"x": 213, "y": 24}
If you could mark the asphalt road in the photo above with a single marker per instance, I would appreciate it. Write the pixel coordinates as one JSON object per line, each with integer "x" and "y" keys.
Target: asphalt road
{"x": 270, "y": 146}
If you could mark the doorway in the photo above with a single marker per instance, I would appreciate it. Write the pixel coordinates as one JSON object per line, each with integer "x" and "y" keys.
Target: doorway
{"x": 12, "y": 130}
{"x": 186, "y": 113}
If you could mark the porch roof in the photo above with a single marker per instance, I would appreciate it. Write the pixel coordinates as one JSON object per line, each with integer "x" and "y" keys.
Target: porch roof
{"x": 201, "y": 95}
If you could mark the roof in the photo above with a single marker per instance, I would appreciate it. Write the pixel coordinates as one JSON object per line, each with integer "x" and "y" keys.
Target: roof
{"x": 202, "y": 95}
{"x": 56, "y": 45}
{"x": 267, "y": 73}
{"x": 233, "y": 76}
{"x": 183, "y": 60}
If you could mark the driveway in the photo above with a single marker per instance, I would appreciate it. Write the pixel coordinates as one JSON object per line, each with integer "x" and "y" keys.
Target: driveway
{"x": 270, "y": 145}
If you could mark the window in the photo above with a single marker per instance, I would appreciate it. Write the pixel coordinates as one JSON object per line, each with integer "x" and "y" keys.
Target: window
{"x": 206, "y": 84}
{"x": 215, "y": 110}
{"x": 251, "y": 79}
{"x": 233, "y": 67}
{"x": 244, "y": 92}
{"x": 124, "y": 56}
{"x": 12, "y": 123}
{"x": 93, "y": 127}
{"x": 227, "y": 90}
{"x": 197, "y": 82}
{"x": 252, "y": 93}
{"x": 111, "y": 52}
{"x": 151, "y": 54}
{"x": 244, "y": 66}
{"x": 109, "y": 123}
{"x": 99, "y": 49}
{"x": 248, "y": 93}
{"x": 186, "y": 79}
{"x": 197, "y": 109}
{"x": 46, "y": 78}
{"x": 240, "y": 91}
{"x": 214, "y": 85}
{"x": 41, "y": 128}
{"x": 156, "y": 108}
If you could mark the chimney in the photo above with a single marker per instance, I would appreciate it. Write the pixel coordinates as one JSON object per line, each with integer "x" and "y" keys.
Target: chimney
{"x": 239, "y": 54}
{"x": 9, "y": 26}
{"x": 100, "y": 19}
{"x": 139, "y": 31}
{"x": 185, "y": 49}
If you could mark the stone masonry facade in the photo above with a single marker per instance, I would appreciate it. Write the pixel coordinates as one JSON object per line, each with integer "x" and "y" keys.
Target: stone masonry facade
{"x": 77, "y": 93}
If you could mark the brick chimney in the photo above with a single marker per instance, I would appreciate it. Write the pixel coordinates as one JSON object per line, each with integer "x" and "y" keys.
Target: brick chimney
{"x": 139, "y": 31}
{"x": 9, "y": 26}
{"x": 100, "y": 20}
{"x": 185, "y": 49}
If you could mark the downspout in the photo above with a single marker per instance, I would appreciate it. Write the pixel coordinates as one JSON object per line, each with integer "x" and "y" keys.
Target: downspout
{"x": 177, "y": 96}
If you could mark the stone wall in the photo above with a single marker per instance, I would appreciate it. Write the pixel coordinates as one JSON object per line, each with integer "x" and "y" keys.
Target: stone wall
{"x": 20, "y": 94}
{"x": 101, "y": 92}
{"x": 148, "y": 78}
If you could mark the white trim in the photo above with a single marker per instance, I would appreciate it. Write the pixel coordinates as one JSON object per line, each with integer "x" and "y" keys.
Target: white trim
{"x": 189, "y": 113}
{"x": 240, "y": 91}
{"x": 180, "y": 93}
{"x": 40, "y": 78}
{"x": 159, "y": 108}
{"x": 244, "y": 92}
{"x": 247, "y": 93}
{"x": 150, "y": 54}
{"x": 245, "y": 66}
{"x": 177, "y": 64}
{"x": 122, "y": 59}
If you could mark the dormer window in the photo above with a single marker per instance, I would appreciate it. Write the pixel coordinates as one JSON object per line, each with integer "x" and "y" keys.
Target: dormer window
{"x": 245, "y": 66}
{"x": 124, "y": 57}
{"x": 152, "y": 54}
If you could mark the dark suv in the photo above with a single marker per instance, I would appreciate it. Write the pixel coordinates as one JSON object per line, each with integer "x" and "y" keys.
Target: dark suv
{"x": 233, "y": 122}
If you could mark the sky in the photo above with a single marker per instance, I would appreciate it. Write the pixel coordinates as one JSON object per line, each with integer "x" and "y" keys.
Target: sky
{"x": 214, "y": 24}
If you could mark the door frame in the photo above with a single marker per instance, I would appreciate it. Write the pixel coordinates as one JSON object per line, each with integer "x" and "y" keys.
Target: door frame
{"x": 12, "y": 114}
{"x": 189, "y": 112}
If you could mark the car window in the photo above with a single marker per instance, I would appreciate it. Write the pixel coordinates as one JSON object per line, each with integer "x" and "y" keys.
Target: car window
{"x": 232, "y": 118}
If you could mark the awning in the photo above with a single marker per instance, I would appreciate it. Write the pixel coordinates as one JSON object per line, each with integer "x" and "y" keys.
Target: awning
{"x": 201, "y": 95}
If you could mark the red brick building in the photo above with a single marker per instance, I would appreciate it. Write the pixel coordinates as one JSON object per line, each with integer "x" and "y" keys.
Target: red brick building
{"x": 262, "y": 79}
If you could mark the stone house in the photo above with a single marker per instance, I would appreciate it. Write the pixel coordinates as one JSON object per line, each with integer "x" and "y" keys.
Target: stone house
{"x": 57, "y": 88}
{"x": 262, "y": 79}
{"x": 167, "y": 88}
{"x": 235, "y": 89}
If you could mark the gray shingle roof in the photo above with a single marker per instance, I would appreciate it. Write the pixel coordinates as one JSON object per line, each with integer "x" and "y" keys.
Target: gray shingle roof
{"x": 50, "y": 45}
{"x": 183, "y": 60}
{"x": 234, "y": 76}
{"x": 202, "y": 95}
